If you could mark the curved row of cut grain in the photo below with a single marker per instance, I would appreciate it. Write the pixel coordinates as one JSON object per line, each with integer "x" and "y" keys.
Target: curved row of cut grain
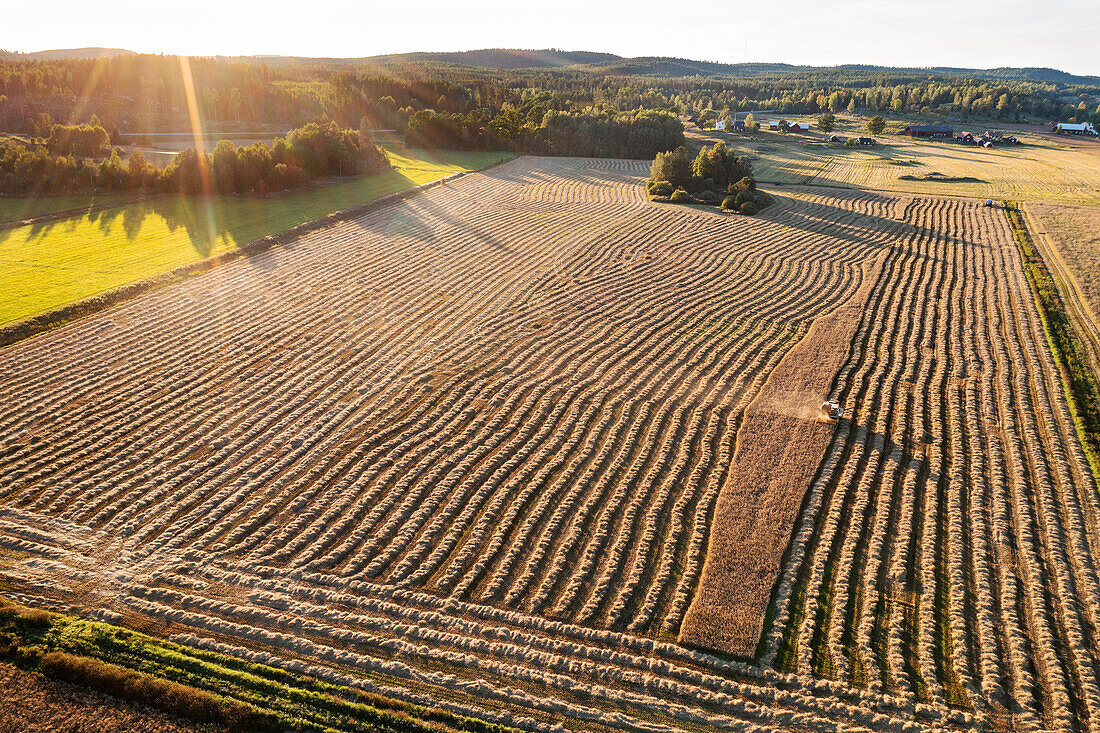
{"x": 434, "y": 378}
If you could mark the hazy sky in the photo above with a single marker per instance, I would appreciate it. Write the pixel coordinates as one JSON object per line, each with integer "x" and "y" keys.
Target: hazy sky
{"x": 1063, "y": 34}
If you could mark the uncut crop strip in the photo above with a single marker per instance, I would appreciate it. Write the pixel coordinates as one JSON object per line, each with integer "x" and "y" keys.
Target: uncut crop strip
{"x": 946, "y": 551}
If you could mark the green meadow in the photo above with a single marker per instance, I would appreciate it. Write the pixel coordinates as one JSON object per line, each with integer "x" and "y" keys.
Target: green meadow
{"x": 27, "y": 207}
{"x": 50, "y": 264}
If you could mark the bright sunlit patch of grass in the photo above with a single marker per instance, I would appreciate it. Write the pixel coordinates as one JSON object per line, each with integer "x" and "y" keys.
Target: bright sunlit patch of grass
{"x": 50, "y": 264}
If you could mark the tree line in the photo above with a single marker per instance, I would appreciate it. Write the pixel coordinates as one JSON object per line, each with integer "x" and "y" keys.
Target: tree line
{"x": 144, "y": 93}
{"x": 530, "y": 128}
{"x": 311, "y": 152}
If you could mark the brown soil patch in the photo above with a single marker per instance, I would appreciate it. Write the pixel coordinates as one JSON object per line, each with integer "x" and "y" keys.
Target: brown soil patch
{"x": 779, "y": 446}
{"x": 35, "y": 703}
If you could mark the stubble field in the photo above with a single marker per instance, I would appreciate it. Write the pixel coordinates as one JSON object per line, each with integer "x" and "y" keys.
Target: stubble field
{"x": 1061, "y": 169}
{"x": 50, "y": 264}
{"x": 472, "y": 449}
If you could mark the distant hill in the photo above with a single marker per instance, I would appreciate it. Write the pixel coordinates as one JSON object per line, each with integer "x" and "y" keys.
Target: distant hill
{"x": 92, "y": 52}
{"x": 1032, "y": 73}
{"x": 503, "y": 58}
{"x": 609, "y": 63}
{"x": 664, "y": 66}
{"x": 1009, "y": 73}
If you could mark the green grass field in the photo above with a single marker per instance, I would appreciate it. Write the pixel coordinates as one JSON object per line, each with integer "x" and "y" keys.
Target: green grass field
{"x": 27, "y": 207}
{"x": 50, "y": 264}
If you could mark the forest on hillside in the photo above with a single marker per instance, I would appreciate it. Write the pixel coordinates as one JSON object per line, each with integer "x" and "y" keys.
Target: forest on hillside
{"x": 145, "y": 93}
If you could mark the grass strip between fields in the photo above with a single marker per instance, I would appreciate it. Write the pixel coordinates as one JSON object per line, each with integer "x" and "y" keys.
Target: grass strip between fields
{"x": 205, "y": 686}
{"x": 1079, "y": 383}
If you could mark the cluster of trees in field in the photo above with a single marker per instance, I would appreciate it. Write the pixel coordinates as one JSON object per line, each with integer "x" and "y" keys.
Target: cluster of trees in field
{"x": 714, "y": 176}
{"x": 311, "y": 152}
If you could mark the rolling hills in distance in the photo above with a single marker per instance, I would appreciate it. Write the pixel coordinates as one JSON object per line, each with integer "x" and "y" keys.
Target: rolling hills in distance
{"x": 608, "y": 63}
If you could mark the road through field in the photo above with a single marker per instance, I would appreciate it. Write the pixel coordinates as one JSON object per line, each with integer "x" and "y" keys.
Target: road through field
{"x": 466, "y": 450}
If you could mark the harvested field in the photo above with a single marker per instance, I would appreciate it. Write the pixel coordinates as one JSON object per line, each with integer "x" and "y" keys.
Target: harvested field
{"x": 947, "y": 553}
{"x": 49, "y": 264}
{"x": 1043, "y": 168}
{"x": 36, "y": 704}
{"x": 465, "y": 451}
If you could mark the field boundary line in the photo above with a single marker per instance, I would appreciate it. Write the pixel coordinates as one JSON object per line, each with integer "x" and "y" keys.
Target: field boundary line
{"x": 57, "y": 317}
{"x": 737, "y": 567}
{"x": 1064, "y": 335}
{"x": 1074, "y": 299}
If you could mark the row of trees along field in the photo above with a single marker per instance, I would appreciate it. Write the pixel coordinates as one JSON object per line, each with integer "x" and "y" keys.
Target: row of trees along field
{"x": 142, "y": 93}
{"x": 307, "y": 153}
{"x": 608, "y": 135}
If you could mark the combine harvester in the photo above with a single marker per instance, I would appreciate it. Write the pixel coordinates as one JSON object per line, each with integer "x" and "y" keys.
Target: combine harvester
{"x": 831, "y": 411}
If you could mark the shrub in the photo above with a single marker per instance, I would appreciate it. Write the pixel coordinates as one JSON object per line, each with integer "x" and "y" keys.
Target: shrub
{"x": 748, "y": 208}
{"x": 850, "y": 142}
{"x": 709, "y": 197}
{"x": 680, "y": 196}
{"x": 729, "y": 203}
{"x": 659, "y": 188}
{"x": 35, "y": 617}
{"x": 25, "y": 616}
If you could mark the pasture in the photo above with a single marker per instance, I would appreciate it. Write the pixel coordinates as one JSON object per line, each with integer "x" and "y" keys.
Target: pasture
{"x": 484, "y": 449}
{"x": 49, "y": 264}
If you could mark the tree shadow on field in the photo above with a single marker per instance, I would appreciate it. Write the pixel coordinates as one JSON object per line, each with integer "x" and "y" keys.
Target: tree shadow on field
{"x": 422, "y": 219}
{"x": 202, "y": 218}
{"x": 856, "y": 226}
